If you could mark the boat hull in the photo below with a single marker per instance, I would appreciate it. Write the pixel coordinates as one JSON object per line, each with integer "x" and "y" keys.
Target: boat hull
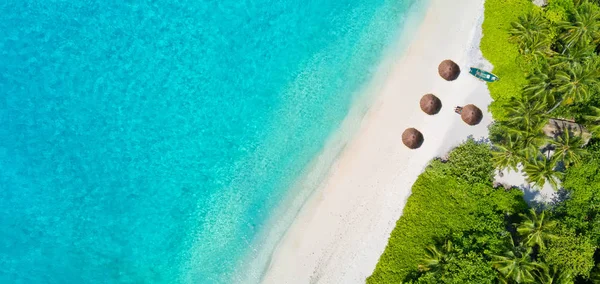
{"x": 483, "y": 75}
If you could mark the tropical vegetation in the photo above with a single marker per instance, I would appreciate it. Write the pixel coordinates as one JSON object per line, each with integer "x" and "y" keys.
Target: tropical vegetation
{"x": 556, "y": 51}
{"x": 453, "y": 216}
{"x": 460, "y": 227}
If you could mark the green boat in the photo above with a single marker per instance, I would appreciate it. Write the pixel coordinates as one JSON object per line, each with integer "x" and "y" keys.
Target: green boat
{"x": 483, "y": 75}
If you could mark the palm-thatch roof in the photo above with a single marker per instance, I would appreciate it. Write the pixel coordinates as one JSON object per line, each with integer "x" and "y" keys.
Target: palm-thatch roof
{"x": 471, "y": 114}
{"x": 449, "y": 70}
{"x": 430, "y": 104}
{"x": 412, "y": 138}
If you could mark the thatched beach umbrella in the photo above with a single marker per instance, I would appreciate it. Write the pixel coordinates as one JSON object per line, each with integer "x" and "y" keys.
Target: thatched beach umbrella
{"x": 471, "y": 114}
{"x": 412, "y": 138}
{"x": 430, "y": 104}
{"x": 449, "y": 70}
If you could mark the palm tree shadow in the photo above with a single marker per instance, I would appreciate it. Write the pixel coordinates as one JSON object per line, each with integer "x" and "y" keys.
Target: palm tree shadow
{"x": 542, "y": 199}
{"x": 560, "y": 196}
{"x": 532, "y": 196}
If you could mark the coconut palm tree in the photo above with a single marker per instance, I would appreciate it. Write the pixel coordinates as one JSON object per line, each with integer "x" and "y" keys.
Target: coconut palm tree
{"x": 585, "y": 27}
{"x": 592, "y": 120}
{"x": 574, "y": 55}
{"x": 509, "y": 154}
{"x": 568, "y": 148}
{"x": 536, "y": 229}
{"x": 540, "y": 170}
{"x": 516, "y": 265}
{"x": 553, "y": 275}
{"x": 530, "y": 33}
{"x": 526, "y": 120}
{"x": 436, "y": 257}
{"x": 527, "y": 26}
{"x": 526, "y": 115}
{"x": 576, "y": 83}
{"x": 537, "y": 47}
{"x": 540, "y": 85}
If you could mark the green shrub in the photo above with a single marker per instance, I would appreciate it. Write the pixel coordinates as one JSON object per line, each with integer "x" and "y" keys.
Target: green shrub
{"x": 503, "y": 54}
{"x": 581, "y": 211}
{"x": 467, "y": 268}
{"x": 445, "y": 200}
{"x": 471, "y": 162}
{"x": 573, "y": 253}
{"x": 462, "y": 268}
{"x": 559, "y": 10}
{"x": 454, "y": 200}
{"x": 579, "y": 216}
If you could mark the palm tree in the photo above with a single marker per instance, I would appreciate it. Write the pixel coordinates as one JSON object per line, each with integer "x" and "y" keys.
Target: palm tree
{"x": 593, "y": 120}
{"x": 526, "y": 114}
{"x": 526, "y": 120}
{"x": 540, "y": 85}
{"x": 537, "y": 47}
{"x": 535, "y": 228}
{"x": 527, "y": 26}
{"x": 568, "y": 148}
{"x": 530, "y": 33}
{"x": 436, "y": 257}
{"x": 516, "y": 265}
{"x": 585, "y": 27}
{"x": 574, "y": 55}
{"x": 509, "y": 154}
{"x": 553, "y": 275}
{"x": 576, "y": 83}
{"x": 540, "y": 170}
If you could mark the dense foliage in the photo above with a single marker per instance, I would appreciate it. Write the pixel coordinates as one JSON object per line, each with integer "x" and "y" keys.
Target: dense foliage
{"x": 496, "y": 47}
{"x": 456, "y": 228}
{"x": 580, "y": 212}
{"x": 451, "y": 200}
{"x": 557, "y": 51}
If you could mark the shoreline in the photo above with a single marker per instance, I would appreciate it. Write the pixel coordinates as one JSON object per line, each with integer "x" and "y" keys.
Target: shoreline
{"x": 343, "y": 226}
{"x": 257, "y": 262}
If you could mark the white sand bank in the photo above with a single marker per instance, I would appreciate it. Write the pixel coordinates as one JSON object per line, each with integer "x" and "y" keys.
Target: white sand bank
{"x": 344, "y": 226}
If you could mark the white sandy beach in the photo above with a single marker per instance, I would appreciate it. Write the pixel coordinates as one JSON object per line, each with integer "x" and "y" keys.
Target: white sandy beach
{"x": 343, "y": 228}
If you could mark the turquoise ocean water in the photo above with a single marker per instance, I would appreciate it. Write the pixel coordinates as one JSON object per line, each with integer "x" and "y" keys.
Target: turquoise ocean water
{"x": 148, "y": 141}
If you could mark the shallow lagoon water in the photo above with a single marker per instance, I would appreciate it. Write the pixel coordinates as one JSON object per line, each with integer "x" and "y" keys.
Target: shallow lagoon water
{"x": 148, "y": 142}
